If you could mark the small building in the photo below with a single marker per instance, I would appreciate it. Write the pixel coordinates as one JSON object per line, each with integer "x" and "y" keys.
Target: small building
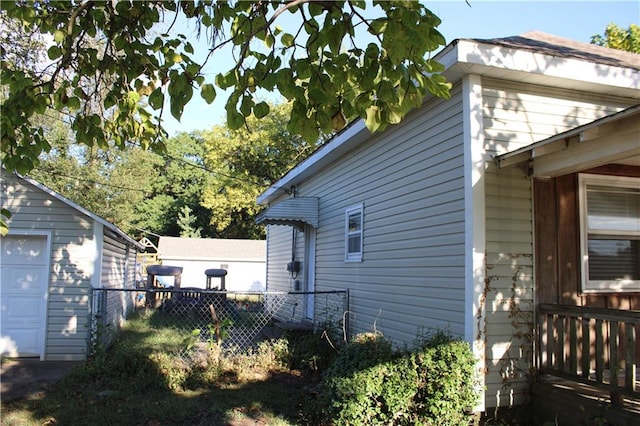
{"x": 244, "y": 260}
{"x": 514, "y": 201}
{"x": 55, "y": 254}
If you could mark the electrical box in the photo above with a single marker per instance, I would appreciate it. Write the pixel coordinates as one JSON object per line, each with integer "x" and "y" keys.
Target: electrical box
{"x": 293, "y": 267}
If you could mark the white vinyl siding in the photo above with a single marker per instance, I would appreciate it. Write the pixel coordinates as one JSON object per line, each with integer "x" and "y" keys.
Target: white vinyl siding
{"x": 279, "y": 253}
{"x": 508, "y": 291}
{"x": 409, "y": 180}
{"x": 516, "y": 115}
{"x": 116, "y": 274}
{"x": 72, "y": 251}
{"x": 78, "y": 245}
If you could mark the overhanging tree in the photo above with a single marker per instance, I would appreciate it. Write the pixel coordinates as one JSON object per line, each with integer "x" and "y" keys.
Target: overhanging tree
{"x": 111, "y": 71}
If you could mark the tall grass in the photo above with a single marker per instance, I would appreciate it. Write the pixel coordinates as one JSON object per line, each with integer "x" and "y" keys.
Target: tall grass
{"x": 141, "y": 379}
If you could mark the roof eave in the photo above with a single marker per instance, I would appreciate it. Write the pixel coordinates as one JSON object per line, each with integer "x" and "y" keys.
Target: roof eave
{"x": 351, "y": 136}
{"x": 466, "y": 56}
{"x": 528, "y": 66}
{"x": 110, "y": 226}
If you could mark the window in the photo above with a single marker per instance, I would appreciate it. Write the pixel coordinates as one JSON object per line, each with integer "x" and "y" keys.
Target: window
{"x": 610, "y": 233}
{"x": 353, "y": 234}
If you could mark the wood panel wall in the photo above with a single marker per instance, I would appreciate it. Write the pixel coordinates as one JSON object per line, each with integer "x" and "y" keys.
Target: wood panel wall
{"x": 557, "y": 240}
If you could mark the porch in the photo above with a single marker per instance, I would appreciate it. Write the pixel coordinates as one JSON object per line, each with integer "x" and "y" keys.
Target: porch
{"x": 587, "y": 361}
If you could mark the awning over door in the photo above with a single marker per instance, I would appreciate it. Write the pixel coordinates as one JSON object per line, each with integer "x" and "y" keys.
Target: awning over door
{"x": 298, "y": 212}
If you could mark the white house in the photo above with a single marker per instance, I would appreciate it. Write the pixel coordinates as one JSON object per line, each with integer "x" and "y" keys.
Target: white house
{"x": 244, "y": 261}
{"x": 436, "y": 222}
{"x": 55, "y": 254}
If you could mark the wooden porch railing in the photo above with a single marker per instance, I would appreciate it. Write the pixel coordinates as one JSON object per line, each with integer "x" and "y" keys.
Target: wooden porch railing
{"x": 596, "y": 346}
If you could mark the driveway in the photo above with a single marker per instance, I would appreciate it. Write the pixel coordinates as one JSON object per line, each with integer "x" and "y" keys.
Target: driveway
{"x": 22, "y": 377}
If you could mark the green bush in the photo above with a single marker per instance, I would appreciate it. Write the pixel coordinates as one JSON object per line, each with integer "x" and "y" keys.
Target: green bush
{"x": 370, "y": 383}
{"x": 447, "y": 390}
{"x": 312, "y": 352}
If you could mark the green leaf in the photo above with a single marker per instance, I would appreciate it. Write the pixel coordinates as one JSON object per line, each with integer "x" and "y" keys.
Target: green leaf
{"x": 378, "y": 26}
{"x": 156, "y": 98}
{"x": 246, "y": 105}
{"x": 54, "y": 52}
{"x": 373, "y": 120}
{"x": 58, "y": 36}
{"x": 269, "y": 41}
{"x": 235, "y": 120}
{"x": 208, "y": 93}
{"x": 261, "y": 110}
{"x": 73, "y": 103}
{"x": 287, "y": 40}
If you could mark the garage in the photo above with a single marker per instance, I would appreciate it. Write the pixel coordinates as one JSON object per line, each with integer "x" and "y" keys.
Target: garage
{"x": 24, "y": 269}
{"x": 56, "y": 253}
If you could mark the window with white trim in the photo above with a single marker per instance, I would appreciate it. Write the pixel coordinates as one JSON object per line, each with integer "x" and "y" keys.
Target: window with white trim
{"x": 610, "y": 233}
{"x": 353, "y": 233}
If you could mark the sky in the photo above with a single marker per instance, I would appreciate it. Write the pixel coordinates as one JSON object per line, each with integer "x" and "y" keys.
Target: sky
{"x": 577, "y": 20}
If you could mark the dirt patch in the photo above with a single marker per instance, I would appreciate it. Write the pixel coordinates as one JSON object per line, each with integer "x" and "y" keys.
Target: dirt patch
{"x": 24, "y": 377}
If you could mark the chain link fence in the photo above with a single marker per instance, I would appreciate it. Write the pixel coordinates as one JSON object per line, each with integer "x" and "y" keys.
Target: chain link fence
{"x": 233, "y": 321}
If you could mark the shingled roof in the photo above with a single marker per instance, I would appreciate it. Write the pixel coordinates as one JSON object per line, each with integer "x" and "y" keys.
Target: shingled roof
{"x": 552, "y": 45}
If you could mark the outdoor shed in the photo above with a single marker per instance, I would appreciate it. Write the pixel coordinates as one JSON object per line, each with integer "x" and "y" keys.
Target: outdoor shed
{"x": 244, "y": 260}
{"x": 55, "y": 254}
{"x": 475, "y": 214}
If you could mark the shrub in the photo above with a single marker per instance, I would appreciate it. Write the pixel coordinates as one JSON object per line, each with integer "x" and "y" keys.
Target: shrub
{"x": 312, "y": 352}
{"x": 447, "y": 389}
{"x": 370, "y": 383}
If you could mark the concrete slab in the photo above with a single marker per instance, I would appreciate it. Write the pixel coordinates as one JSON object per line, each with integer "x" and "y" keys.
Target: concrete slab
{"x": 22, "y": 377}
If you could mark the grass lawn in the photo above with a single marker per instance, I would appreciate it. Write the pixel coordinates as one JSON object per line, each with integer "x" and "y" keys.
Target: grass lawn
{"x": 138, "y": 382}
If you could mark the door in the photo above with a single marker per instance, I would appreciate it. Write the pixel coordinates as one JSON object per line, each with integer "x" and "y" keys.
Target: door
{"x": 24, "y": 277}
{"x": 310, "y": 270}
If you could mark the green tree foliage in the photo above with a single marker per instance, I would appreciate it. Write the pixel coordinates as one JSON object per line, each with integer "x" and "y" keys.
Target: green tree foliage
{"x": 133, "y": 188}
{"x": 110, "y": 70}
{"x": 109, "y": 183}
{"x": 245, "y": 162}
{"x": 186, "y": 222}
{"x": 617, "y": 37}
{"x": 179, "y": 180}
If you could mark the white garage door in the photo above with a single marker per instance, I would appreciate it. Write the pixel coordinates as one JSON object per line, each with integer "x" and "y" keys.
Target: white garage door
{"x": 24, "y": 268}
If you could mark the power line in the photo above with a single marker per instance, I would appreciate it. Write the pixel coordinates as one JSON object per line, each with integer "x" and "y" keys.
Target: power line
{"x": 167, "y": 156}
{"x": 109, "y": 185}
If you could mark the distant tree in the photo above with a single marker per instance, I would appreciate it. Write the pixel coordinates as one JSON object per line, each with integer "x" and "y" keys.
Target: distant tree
{"x": 109, "y": 183}
{"x": 137, "y": 190}
{"x": 180, "y": 178}
{"x": 617, "y": 37}
{"x": 244, "y": 163}
{"x": 186, "y": 222}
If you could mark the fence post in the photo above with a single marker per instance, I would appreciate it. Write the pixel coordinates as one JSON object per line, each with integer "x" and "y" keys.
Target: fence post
{"x": 97, "y": 318}
{"x": 346, "y": 316}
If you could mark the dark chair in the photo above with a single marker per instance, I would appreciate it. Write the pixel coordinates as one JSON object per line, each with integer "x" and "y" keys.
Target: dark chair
{"x": 216, "y": 273}
{"x": 154, "y": 271}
